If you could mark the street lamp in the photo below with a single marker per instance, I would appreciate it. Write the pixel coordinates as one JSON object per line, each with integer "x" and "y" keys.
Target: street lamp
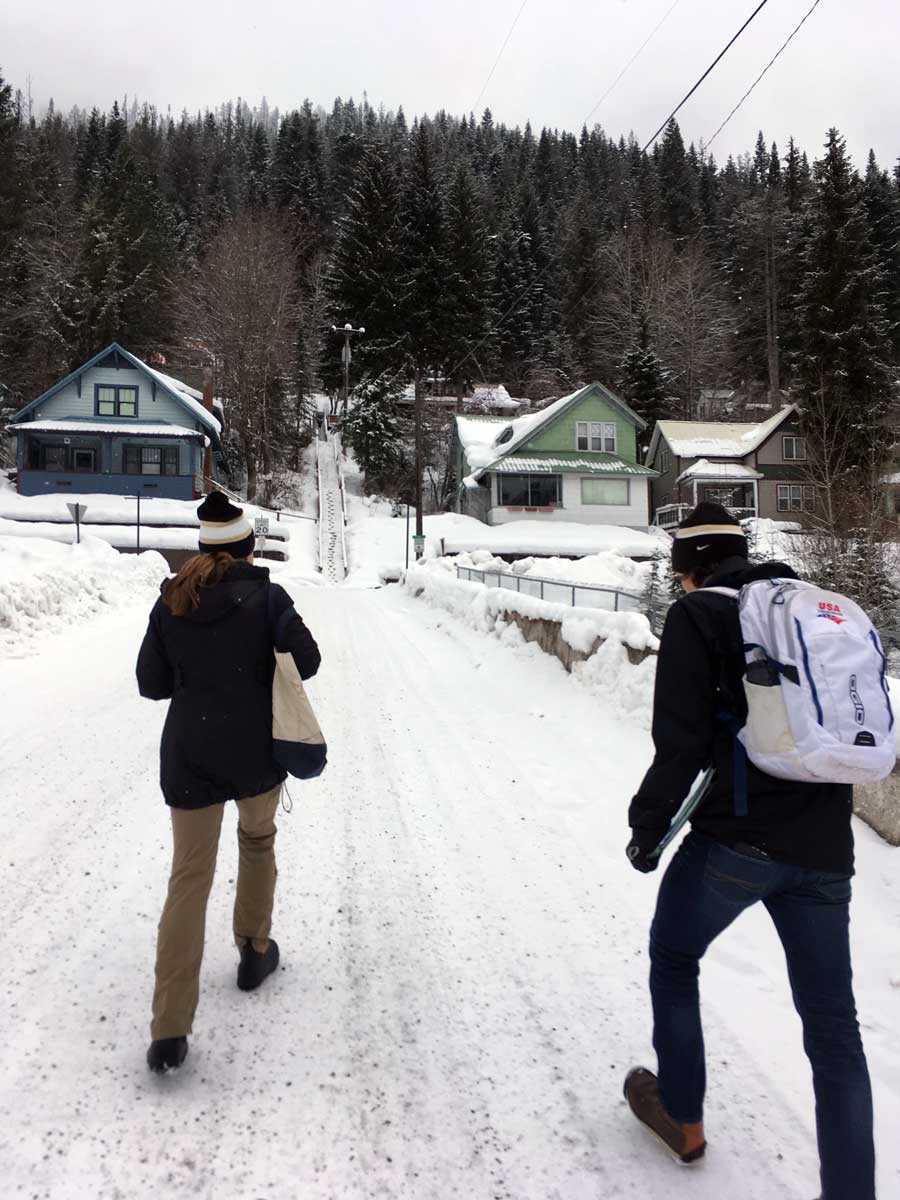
{"x": 347, "y": 332}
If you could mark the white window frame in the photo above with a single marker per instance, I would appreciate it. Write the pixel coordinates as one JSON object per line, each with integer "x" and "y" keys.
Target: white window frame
{"x": 799, "y": 444}
{"x": 598, "y": 437}
{"x": 796, "y": 497}
{"x": 605, "y": 503}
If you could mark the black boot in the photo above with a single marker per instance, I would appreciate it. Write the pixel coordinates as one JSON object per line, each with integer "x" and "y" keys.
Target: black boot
{"x": 167, "y": 1054}
{"x": 254, "y": 967}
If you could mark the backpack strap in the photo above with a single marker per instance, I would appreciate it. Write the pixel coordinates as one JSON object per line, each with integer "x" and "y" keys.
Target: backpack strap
{"x": 739, "y": 776}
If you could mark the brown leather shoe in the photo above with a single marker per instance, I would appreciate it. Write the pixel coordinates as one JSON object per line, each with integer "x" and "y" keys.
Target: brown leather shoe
{"x": 685, "y": 1141}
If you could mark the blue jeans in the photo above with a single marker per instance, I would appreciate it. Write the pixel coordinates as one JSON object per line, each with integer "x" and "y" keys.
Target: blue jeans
{"x": 706, "y": 886}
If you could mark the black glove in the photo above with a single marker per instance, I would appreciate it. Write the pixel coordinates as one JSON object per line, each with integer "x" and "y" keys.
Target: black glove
{"x": 640, "y": 849}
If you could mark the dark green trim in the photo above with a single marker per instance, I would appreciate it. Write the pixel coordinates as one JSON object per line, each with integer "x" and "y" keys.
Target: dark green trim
{"x": 117, "y": 388}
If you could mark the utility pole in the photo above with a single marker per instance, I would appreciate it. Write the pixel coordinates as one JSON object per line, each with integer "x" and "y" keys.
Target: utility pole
{"x": 420, "y": 458}
{"x": 347, "y": 331}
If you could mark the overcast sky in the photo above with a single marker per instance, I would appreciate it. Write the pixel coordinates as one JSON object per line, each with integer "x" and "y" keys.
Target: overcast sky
{"x": 843, "y": 68}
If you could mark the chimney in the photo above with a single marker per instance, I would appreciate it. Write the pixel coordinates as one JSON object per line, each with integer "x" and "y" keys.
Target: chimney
{"x": 206, "y": 484}
{"x": 208, "y": 388}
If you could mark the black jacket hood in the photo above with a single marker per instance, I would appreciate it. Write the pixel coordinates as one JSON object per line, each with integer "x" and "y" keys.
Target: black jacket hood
{"x": 735, "y": 572}
{"x": 241, "y": 583}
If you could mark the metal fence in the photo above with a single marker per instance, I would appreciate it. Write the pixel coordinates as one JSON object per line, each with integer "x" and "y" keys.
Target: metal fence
{"x": 577, "y": 595}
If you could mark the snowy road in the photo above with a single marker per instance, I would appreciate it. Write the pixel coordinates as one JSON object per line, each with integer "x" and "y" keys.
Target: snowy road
{"x": 463, "y": 982}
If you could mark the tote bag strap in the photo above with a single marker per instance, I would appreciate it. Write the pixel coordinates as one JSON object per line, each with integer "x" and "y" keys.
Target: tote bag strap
{"x": 277, "y": 625}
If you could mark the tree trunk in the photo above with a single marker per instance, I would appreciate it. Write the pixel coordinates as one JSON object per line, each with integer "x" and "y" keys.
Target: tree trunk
{"x": 771, "y": 284}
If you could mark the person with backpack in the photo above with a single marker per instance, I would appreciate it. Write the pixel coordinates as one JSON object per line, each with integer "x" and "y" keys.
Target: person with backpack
{"x": 780, "y": 836}
{"x": 209, "y": 649}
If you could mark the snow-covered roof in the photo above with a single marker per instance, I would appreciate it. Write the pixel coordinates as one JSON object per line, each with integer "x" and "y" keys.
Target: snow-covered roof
{"x": 476, "y": 436}
{"x": 569, "y": 463}
{"x": 481, "y": 441}
{"x": 188, "y": 396}
{"x": 718, "y": 439}
{"x": 134, "y": 428}
{"x": 486, "y": 441}
{"x": 495, "y": 396}
{"x": 704, "y": 469}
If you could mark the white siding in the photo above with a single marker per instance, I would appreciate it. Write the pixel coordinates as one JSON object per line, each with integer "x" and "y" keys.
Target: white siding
{"x": 67, "y": 402}
{"x": 635, "y": 514}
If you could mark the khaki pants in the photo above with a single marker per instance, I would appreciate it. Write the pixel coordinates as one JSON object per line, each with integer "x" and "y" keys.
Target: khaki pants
{"x": 179, "y": 950}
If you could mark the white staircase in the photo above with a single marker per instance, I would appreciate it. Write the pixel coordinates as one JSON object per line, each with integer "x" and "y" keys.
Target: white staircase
{"x": 332, "y": 551}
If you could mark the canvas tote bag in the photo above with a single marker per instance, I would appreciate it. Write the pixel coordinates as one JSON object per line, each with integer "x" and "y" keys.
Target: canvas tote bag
{"x": 297, "y": 741}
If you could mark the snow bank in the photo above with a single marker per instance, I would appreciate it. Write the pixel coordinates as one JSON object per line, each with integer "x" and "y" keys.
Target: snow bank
{"x": 552, "y": 538}
{"x": 46, "y": 586}
{"x": 119, "y": 510}
{"x": 607, "y": 569}
{"x": 608, "y": 671}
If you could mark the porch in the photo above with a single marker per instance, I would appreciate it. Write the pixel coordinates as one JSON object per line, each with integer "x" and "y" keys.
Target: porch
{"x": 86, "y": 457}
{"x": 732, "y": 484}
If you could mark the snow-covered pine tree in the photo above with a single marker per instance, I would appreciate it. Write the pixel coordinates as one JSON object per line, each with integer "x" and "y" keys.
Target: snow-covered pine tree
{"x": 365, "y": 282}
{"x": 642, "y": 381}
{"x": 882, "y": 201}
{"x": 373, "y": 431}
{"x": 841, "y": 373}
{"x": 422, "y": 305}
{"x": 121, "y": 289}
{"x": 580, "y": 282}
{"x": 468, "y": 286}
{"x": 678, "y": 184}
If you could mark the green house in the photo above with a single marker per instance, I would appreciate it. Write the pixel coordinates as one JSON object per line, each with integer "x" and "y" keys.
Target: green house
{"x": 576, "y": 460}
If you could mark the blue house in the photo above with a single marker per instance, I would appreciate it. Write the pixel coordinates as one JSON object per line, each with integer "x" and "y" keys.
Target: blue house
{"x": 116, "y": 426}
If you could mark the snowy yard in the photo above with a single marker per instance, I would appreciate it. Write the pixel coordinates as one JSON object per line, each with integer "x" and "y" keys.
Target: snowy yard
{"x": 463, "y": 943}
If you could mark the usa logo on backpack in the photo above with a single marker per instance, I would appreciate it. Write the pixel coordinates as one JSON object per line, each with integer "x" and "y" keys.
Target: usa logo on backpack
{"x": 818, "y": 706}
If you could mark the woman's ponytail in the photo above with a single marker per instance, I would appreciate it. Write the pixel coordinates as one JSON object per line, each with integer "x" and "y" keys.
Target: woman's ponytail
{"x": 182, "y": 594}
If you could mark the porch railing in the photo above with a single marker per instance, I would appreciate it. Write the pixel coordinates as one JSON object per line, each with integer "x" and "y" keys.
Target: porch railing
{"x": 670, "y": 515}
{"x": 577, "y": 595}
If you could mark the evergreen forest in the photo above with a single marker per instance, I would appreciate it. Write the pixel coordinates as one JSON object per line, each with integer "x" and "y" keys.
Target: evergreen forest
{"x": 468, "y": 250}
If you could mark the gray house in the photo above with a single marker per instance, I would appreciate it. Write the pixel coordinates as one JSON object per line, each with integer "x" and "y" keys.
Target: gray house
{"x": 756, "y": 470}
{"x": 116, "y": 426}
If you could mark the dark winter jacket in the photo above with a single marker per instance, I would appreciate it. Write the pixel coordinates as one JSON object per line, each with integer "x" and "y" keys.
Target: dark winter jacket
{"x": 699, "y": 678}
{"x": 216, "y": 664}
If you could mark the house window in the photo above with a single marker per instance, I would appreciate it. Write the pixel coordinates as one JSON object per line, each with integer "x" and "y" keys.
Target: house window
{"x": 533, "y": 491}
{"x": 84, "y": 460}
{"x": 793, "y": 449}
{"x": 728, "y": 497}
{"x": 663, "y": 462}
{"x": 796, "y": 497}
{"x": 604, "y": 491}
{"x": 111, "y": 400}
{"x": 54, "y": 458}
{"x": 151, "y": 460}
{"x": 595, "y": 436}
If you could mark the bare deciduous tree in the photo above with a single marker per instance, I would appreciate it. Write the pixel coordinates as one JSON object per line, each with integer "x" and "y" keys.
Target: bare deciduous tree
{"x": 242, "y": 303}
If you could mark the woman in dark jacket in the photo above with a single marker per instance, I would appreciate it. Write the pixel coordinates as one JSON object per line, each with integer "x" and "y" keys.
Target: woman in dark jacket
{"x": 209, "y": 648}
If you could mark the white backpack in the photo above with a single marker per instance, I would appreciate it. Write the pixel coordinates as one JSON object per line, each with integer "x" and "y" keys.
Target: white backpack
{"x": 818, "y": 708}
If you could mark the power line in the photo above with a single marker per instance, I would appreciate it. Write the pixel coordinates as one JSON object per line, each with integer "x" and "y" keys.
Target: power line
{"x": 637, "y": 54}
{"x": 763, "y": 73}
{"x": 707, "y": 72}
{"x": 500, "y": 55}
